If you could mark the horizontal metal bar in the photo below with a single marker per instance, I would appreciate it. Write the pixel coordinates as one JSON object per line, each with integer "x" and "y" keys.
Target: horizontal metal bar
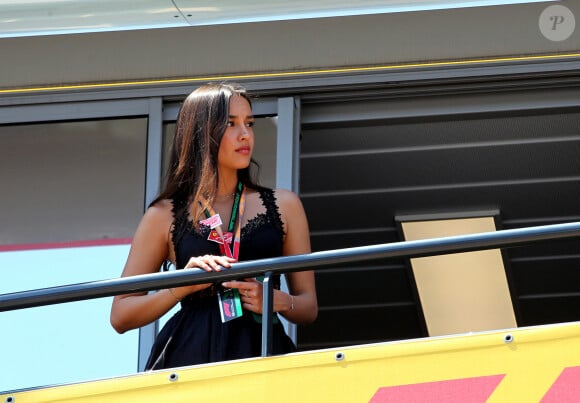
{"x": 554, "y": 295}
{"x": 419, "y": 248}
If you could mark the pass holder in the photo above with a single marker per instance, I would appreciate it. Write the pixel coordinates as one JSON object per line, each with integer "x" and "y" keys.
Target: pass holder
{"x": 230, "y": 304}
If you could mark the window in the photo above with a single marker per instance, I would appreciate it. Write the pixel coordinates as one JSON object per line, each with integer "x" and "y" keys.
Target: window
{"x": 72, "y": 195}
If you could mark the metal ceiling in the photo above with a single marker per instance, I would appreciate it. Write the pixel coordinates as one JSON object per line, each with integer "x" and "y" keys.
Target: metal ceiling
{"x": 49, "y": 17}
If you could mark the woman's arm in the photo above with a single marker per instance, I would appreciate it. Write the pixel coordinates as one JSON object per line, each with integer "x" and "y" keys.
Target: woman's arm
{"x": 151, "y": 246}
{"x": 303, "y": 307}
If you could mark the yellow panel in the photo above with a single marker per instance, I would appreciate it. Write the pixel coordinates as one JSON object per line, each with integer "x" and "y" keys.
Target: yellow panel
{"x": 518, "y": 365}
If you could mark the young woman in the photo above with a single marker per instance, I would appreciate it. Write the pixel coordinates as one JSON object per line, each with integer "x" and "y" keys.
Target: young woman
{"x": 209, "y": 183}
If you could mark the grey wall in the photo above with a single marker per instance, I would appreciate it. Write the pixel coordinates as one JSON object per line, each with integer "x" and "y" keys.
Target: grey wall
{"x": 280, "y": 47}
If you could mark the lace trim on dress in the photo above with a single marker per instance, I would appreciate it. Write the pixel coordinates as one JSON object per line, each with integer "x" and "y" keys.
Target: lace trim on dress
{"x": 269, "y": 201}
{"x": 179, "y": 212}
{"x": 182, "y": 223}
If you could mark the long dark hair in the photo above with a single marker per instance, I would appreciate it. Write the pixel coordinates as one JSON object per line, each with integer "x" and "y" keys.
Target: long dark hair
{"x": 201, "y": 124}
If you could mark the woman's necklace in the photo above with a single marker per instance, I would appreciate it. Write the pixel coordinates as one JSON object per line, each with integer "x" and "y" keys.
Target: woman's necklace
{"x": 225, "y": 197}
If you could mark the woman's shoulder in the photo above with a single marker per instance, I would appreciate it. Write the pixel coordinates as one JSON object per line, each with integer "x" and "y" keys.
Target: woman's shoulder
{"x": 288, "y": 202}
{"x": 278, "y": 192}
{"x": 294, "y": 221}
{"x": 161, "y": 210}
{"x": 156, "y": 221}
{"x": 278, "y": 196}
{"x": 285, "y": 196}
{"x": 161, "y": 205}
{"x": 283, "y": 201}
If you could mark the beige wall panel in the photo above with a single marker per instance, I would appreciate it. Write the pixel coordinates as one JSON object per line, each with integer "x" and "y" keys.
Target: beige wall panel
{"x": 462, "y": 292}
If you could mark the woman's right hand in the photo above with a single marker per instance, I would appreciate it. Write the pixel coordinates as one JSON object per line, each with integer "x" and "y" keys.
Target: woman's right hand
{"x": 210, "y": 262}
{"x": 206, "y": 262}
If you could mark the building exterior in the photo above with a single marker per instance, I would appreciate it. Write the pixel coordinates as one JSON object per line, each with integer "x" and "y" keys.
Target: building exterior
{"x": 375, "y": 120}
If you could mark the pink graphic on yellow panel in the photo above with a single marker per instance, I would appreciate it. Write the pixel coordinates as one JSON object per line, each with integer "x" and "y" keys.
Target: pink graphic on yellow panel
{"x": 467, "y": 390}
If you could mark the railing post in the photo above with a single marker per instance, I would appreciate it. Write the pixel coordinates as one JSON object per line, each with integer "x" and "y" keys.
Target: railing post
{"x": 267, "y": 312}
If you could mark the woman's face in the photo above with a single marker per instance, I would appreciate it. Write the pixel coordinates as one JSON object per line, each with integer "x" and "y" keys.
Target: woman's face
{"x": 237, "y": 142}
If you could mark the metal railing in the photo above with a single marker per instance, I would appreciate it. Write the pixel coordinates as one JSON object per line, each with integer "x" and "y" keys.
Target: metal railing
{"x": 286, "y": 264}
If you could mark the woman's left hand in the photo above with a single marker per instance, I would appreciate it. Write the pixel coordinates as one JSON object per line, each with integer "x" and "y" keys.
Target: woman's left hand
{"x": 251, "y": 293}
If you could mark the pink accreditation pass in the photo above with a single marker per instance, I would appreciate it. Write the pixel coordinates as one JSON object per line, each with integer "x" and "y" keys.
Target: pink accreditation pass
{"x": 213, "y": 222}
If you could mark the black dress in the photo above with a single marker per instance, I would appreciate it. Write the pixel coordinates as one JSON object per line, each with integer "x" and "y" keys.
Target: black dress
{"x": 196, "y": 334}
